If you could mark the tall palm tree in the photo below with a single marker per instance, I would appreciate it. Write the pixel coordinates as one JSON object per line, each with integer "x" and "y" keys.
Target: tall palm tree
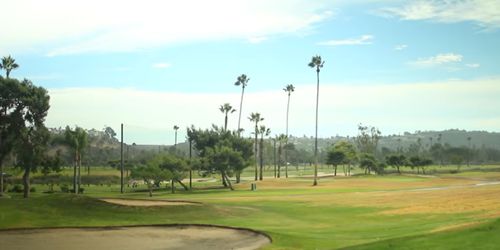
{"x": 263, "y": 131}
{"x": 77, "y": 140}
{"x": 316, "y": 62}
{"x": 226, "y": 109}
{"x": 281, "y": 139}
{"x": 175, "y": 129}
{"x": 288, "y": 89}
{"x": 242, "y": 81}
{"x": 469, "y": 151}
{"x": 8, "y": 64}
{"x": 255, "y": 117}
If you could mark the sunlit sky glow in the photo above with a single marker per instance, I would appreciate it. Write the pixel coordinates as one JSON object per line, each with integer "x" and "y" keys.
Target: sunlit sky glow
{"x": 397, "y": 65}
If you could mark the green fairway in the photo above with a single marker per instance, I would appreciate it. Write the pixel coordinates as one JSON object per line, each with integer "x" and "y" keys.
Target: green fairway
{"x": 361, "y": 211}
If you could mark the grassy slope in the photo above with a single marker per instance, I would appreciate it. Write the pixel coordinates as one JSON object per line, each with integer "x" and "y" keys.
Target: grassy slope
{"x": 480, "y": 237}
{"x": 286, "y": 212}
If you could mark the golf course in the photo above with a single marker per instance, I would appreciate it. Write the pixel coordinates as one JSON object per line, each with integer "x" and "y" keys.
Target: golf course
{"x": 443, "y": 211}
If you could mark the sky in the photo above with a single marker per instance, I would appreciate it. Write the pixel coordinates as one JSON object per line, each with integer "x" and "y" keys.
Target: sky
{"x": 396, "y": 65}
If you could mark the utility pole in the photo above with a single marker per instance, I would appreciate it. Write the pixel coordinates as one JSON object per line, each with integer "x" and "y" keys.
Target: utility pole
{"x": 121, "y": 160}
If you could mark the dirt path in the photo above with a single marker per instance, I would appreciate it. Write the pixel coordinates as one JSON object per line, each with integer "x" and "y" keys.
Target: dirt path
{"x": 133, "y": 238}
{"x": 148, "y": 203}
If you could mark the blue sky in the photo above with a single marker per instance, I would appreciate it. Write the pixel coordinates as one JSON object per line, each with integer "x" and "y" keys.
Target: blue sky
{"x": 425, "y": 65}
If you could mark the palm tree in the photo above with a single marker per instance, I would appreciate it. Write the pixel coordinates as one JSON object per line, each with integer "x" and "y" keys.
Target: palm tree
{"x": 77, "y": 141}
{"x": 8, "y": 64}
{"x": 226, "y": 109}
{"x": 243, "y": 81}
{"x": 263, "y": 132}
{"x": 281, "y": 139}
{"x": 289, "y": 89}
{"x": 317, "y": 63}
{"x": 175, "y": 129}
{"x": 469, "y": 151}
{"x": 255, "y": 117}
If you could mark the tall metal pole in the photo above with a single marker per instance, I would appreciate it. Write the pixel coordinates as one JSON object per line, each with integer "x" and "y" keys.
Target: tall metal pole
{"x": 121, "y": 160}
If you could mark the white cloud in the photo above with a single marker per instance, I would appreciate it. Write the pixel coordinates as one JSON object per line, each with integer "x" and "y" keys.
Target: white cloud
{"x": 257, "y": 39}
{"x": 473, "y": 65}
{"x": 365, "y": 39}
{"x": 149, "y": 116}
{"x": 400, "y": 47}
{"x": 161, "y": 65}
{"x": 483, "y": 12}
{"x": 439, "y": 59}
{"x": 69, "y": 27}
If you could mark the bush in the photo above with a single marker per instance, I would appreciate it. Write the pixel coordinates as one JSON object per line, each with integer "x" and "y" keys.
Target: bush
{"x": 16, "y": 189}
{"x": 32, "y": 189}
{"x": 64, "y": 188}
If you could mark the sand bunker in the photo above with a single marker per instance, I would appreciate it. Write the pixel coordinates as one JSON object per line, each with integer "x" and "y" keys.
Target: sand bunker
{"x": 133, "y": 238}
{"x": 147, "y": 203}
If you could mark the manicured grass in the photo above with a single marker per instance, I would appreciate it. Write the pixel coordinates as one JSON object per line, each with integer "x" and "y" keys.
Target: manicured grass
{"x": 359, "y": 211}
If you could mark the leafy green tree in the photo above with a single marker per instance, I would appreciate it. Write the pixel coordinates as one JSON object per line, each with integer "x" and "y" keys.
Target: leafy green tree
{"x": 316, "y": 62}
{"x": 263, "y": 131}
{"x": 8, "y": 64}
{"x": 175, "y": 165}
{"x": 255, "y": 117}
{"x": 151, "y": 174}
{"x": 12, "y": 111}
{"x": 335, "y": 158}
{"x": 226, "y": 109}
{"x": 396, "y": 161}
{"x": 418, "y": 162}
{"x": 221, "y": 152}
{"x": 349, "y": 150}
{"x": 367, "y": 139}
{"x": 242, "y": 81}
{"x": 77, "y": 140}
{"x": 31, "y": 144}
{"x": 369, "y": 163}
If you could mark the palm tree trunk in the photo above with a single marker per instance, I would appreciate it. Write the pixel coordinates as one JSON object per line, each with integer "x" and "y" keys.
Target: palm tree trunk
{"x": 274, "y": 158}
{"x": 75, "y": 163}
{"x": 241, "y": 108}
{"x": 286, "y": 142}
{"x": 261, "y": 156}
{"x": 79, "y": 173}
{"x": 225, "y": 123}
{"x": 316, "y": 135}
{"x": 1, "y": 178}
{"x": 256, "y": 151}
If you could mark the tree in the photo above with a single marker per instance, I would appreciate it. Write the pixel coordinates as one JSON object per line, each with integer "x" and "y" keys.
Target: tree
{"x": 151, "y": 174}
{"x": 335, "y": 158}
{"x": 12, "y": 111}
{"x": 417, "y": 162}
{"x": 288, "y": 89}
{"x": 369, "y": 163}
{"x": 175, "y": 165}
{"x": 226, "y": 109}
{"x": 242, "y": 81}
{"x": 110, "y": 134}
{"x": 175, "y": 129}
{"x": 30, "y": 114}
{"x": 367, "y": 139}
{"x": 350, "y": 153}
{"x": 316, "y": 62}
{"x": 255, "y": 117}
{"x": 396, "y": 161}
{"x": 8, "y": 64}
{"x": 221, "y": 152}
{"x": 281, "y": 140}
{"x": 263, "y": 131}
{"x": 77, "y": 140}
